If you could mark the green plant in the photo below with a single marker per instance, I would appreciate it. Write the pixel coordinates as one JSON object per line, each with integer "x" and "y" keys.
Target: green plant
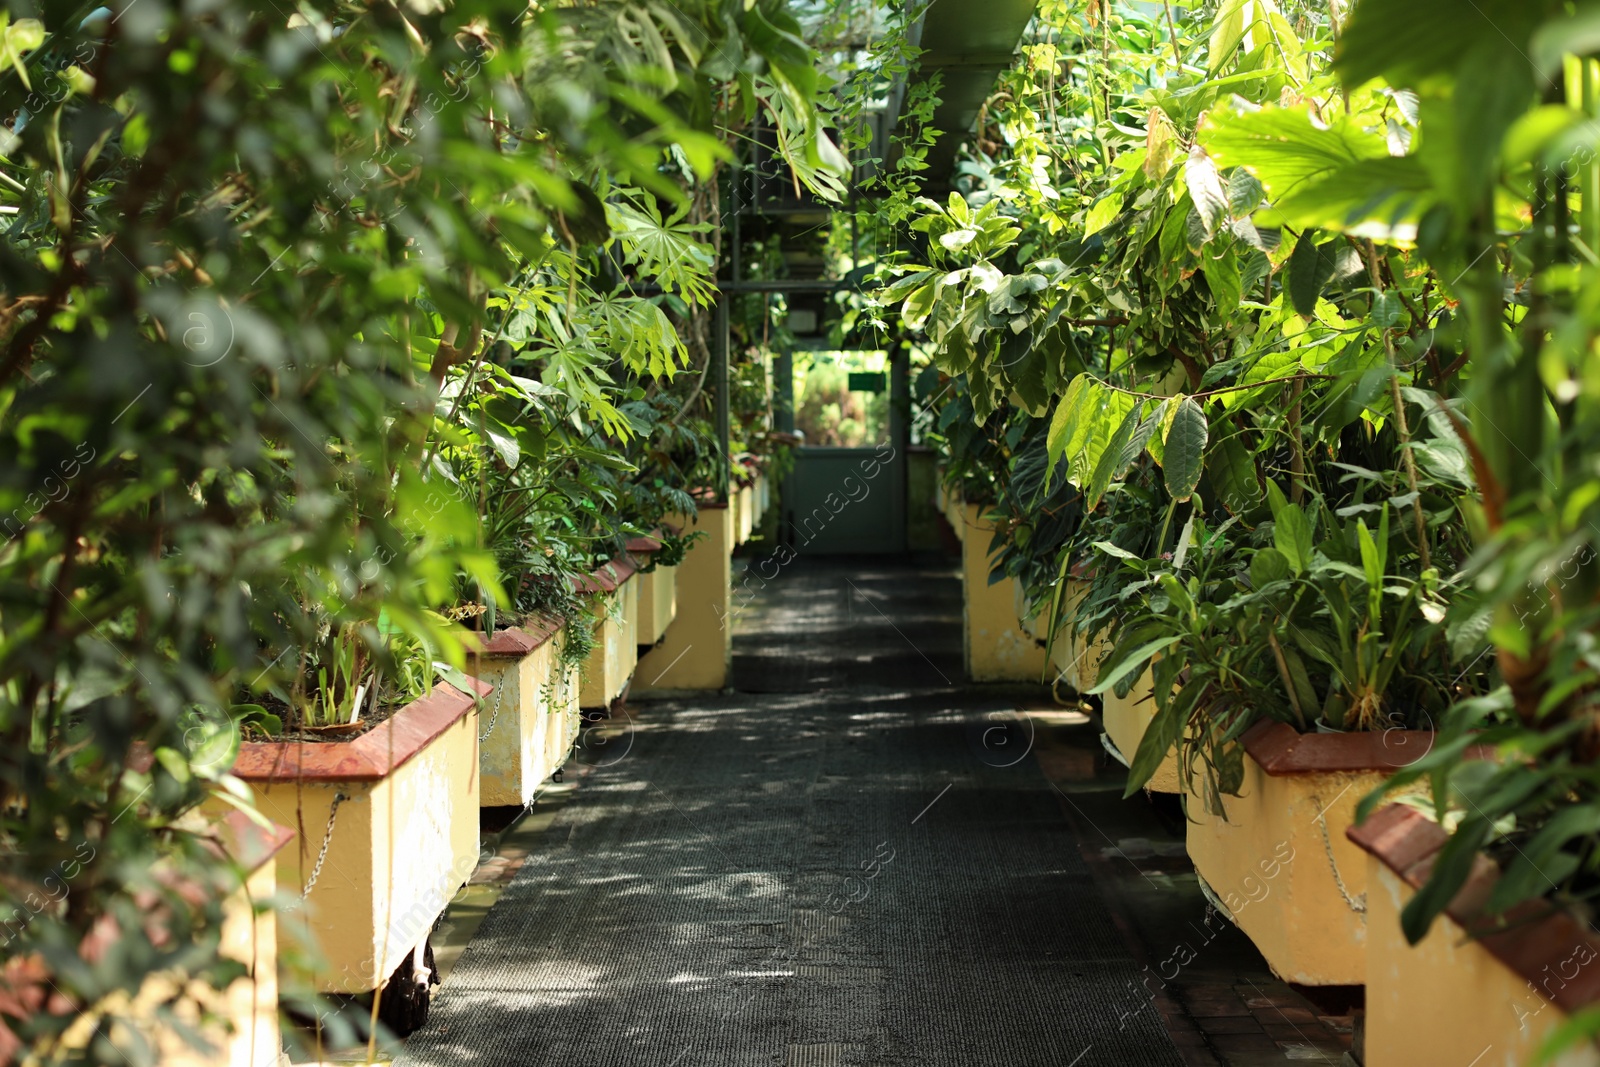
{"x": 1333, "y": 629}
{"x": 249, "y": 255}
{"x": 1315, "y": 340}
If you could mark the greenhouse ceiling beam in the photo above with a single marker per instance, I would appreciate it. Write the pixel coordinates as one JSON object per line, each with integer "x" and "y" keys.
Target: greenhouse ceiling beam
{"x": 970, "y": 43}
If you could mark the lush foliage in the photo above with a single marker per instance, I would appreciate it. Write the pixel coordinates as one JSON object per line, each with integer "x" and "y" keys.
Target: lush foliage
{"x": 316, "y": 324}
{"x": 1301, "y": 312}
{"x": 1234, "y": 373}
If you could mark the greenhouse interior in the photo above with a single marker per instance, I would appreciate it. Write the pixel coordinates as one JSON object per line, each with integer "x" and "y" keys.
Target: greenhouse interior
{"x": 800, "y": 533}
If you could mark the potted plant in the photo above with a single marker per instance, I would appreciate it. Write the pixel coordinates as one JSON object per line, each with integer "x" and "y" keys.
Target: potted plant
{"x": 1497, "y": 986}
{"x": 378, "y": 766}
{"x": 1294, "y": 677}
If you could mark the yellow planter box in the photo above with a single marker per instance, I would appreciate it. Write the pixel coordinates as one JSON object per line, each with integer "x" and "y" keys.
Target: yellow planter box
{"x": 658, "y": 604}
{"x": 527, "y": 725}
{"x": 744, "y": 499}
{"x": 1280, "y": 864}
{"x": 1488, "y": 998}
{"x": 1125, "y": 719}
{"x": 243, "y": 1026}
{"x": 998, "y": 646}
{"x": 610, "y": 665}
{"x": 696, "y": 651}
{"x": 1074, "y": 663}
{"x": 657, "y": 593}
{"x": 403, "y": 839}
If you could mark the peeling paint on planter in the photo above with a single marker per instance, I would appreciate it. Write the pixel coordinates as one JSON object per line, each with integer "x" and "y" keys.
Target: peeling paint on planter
{"x": 422, "y": 864}
{"x": 517, "y": 751}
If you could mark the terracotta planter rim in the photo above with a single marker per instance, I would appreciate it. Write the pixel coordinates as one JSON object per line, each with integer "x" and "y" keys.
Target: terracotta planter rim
{"x": 516, "y": 641}
{"x": 246, "y": 842}
{"x": 1529, "y": 939}
{"x": 645, "y": 544}
{"x": 1281, "y": 750}
{"x": 371, "y": 757}
{"x": 608, "y": 577}
{"x": 706, "y": 500}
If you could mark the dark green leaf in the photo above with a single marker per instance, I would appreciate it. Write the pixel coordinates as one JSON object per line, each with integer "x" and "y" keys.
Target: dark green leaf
{"x": 1185, "y": 450}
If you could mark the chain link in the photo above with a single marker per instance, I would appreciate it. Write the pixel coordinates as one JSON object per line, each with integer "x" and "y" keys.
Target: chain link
{"x": 322, "y": 853}
{"x": 1355, "y": 904}
{"x": 499, "y": 695}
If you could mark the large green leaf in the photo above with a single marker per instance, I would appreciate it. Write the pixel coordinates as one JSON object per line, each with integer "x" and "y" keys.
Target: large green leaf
{"x": 1310, "y": 267}
{"x": 1268, "y": 565}
{"x": 918, "y": 304}
{"x": 1160, "y": 423}
{"x": 1111, "y": 464}
{"x": 1222, "y": 277}
{"x": 1291, "y": 530}
{"x": 1102, "y": 213}
{"x": 1379, "y": 198}
{"x": 1136, "y": 659}
{"x": 1227, "y": 30}
{"x": 1284, "y": 147}
{"x": 1110, "y": 411}
{"x": 1164, "y": 731}
{"x": 1270, "y": 367}
{"x": 1027, "y": 373}
{"x": 1410, "y": 41}
{"x": 1206, "y": 190}
{"x": 958, "y": 352}
{"x": 1069, "y": 411}
{"x": 1185, "y": 451}
{"x": 1232, "y": 470}
{"x": 1452, "y": 865}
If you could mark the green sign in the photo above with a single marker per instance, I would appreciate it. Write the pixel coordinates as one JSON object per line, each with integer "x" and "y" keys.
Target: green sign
{"x": 868, "y": 381}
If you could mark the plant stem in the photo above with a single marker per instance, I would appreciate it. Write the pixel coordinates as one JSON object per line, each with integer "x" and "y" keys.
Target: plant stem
{"x": 1297, "y": 454}
{"x": 1288, "y": 683}
{"x": 1401, "y": 429}
{"x": 1172, "y": 28}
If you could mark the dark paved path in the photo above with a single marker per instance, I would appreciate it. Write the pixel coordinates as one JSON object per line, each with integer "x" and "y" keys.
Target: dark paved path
{"x": 849, "y": 860}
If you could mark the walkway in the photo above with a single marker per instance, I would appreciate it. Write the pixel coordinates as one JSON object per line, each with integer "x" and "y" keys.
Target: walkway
{"x": 851, "y": 859}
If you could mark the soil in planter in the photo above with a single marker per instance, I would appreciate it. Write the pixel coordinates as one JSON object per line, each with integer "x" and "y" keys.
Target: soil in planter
{"x": 295, "y": 729}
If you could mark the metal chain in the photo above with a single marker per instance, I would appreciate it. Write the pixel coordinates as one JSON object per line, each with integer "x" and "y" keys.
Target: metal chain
{"x": 322, "y": 853}
{"x": 499, "y": 695}
{"x": 1355, "y": 904}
